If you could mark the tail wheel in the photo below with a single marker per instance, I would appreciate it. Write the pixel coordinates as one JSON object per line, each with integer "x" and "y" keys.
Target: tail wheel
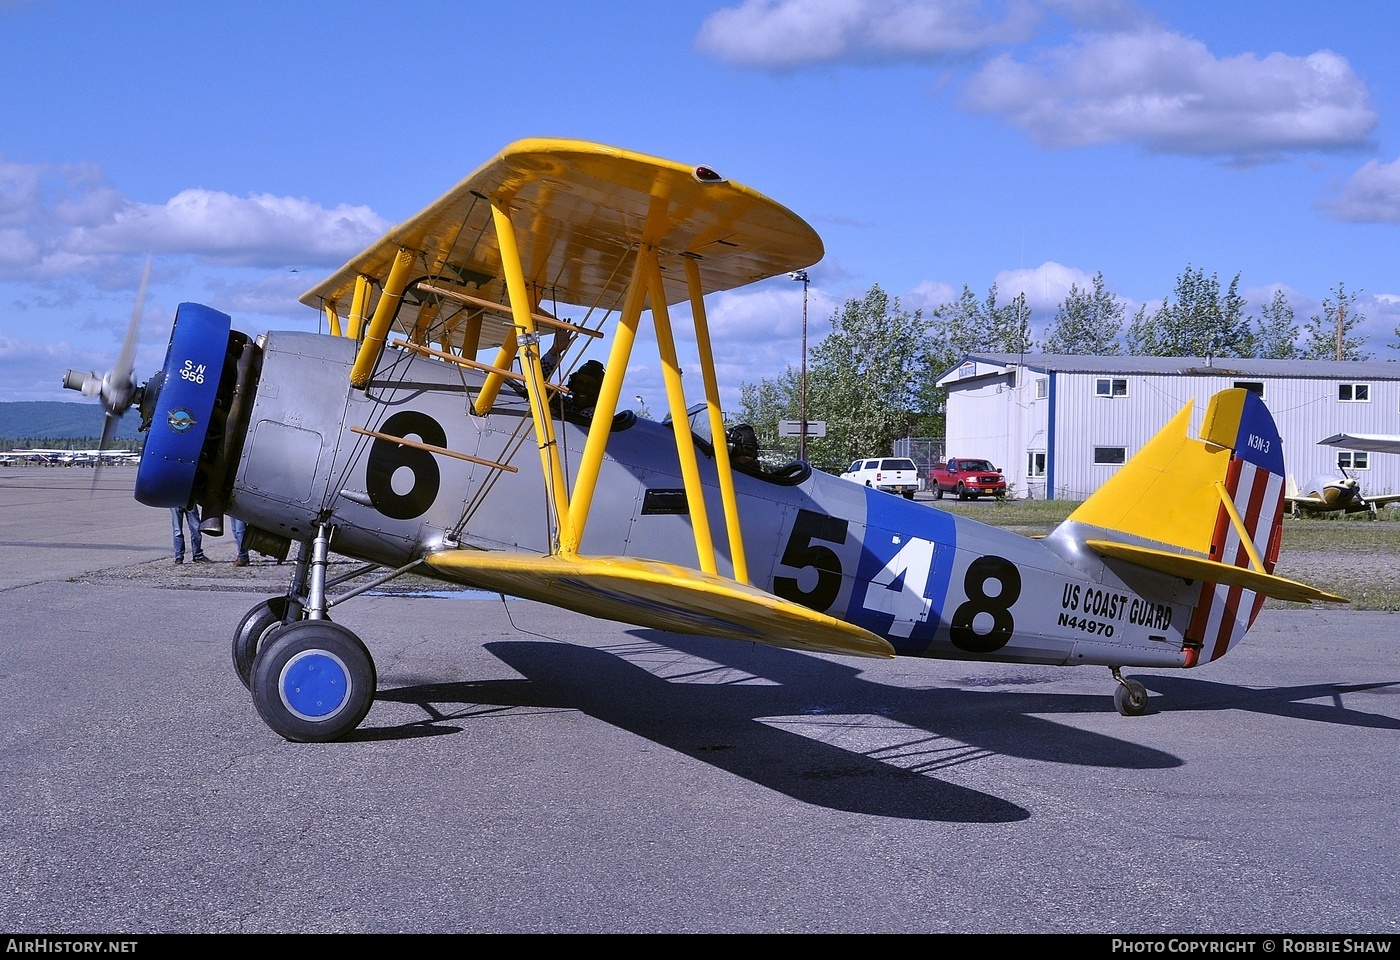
{"x": 1130, "y": 697}
{"x": 313, "y": 681}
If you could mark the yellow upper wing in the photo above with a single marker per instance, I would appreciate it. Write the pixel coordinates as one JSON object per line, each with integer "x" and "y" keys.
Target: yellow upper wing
{"x": 582, "y": 210}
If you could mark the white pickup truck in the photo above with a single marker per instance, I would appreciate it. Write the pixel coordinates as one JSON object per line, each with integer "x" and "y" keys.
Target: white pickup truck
{"x": 891, "y": 474}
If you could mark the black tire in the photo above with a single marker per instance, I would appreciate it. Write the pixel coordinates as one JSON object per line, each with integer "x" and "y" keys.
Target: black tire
{"x": 313, "y": 681}
{"x": 1130, "y": 698}
{"x": 937, "y": 491}
{"x": 961, "y": 492}
{"x": 908, "y": 494}
{"x": 254, "y": 629}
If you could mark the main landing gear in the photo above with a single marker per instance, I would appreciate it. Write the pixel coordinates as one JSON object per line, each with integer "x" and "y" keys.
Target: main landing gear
{"x": 1130, "y": 696}
{"x": 311, "y": 680}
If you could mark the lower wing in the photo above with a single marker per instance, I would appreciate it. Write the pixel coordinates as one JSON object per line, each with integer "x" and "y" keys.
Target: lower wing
{"x": 666, "y": 596}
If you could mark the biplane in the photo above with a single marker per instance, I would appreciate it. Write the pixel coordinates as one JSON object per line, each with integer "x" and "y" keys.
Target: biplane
{"x": 430, "y": 431}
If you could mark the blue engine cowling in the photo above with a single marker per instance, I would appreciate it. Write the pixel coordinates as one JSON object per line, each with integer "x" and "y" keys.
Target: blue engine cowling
{"x": 187, "y": 424}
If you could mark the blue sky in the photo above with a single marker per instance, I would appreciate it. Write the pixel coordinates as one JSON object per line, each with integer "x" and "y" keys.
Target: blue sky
{"x": 254, "y": 147}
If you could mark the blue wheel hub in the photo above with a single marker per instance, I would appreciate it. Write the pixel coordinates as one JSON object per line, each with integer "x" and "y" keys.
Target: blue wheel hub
{"x": 315, "y": 685}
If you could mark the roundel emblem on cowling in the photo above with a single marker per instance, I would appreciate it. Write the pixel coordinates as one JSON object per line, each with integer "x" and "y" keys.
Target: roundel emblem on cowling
{"x": 180, "y": 420}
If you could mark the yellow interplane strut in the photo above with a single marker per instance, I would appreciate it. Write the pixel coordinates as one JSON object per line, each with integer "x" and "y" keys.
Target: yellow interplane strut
{"x": 332, "y": 317}
{"x": 518, "y": 294}
{"x": 586, "y": 481}
{"x": 359, "y": 303}
{"x": 717, "y": 433}
{"x": 680, "y": 421}
{"x": 384, "y": 311}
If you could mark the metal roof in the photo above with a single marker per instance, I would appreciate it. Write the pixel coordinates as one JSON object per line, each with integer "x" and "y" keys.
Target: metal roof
{"x": 1191, "y": 366}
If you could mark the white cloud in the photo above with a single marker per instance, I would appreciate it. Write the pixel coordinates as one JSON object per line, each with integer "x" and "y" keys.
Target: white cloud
{"x": 66, "y": 221}
{"x": 1372, "y": 195}
{"x": 33, "y": 371}
{"x": 1045, "y": 286}
{"x": 1170, "y": 94}
{"x": 929, "y": 295}
{"x": 262, "y": 230}
{"x": 786, "y": 34}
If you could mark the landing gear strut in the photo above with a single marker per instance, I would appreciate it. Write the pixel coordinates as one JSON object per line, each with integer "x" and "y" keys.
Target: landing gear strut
{"x": 312, "y": 680}
{"x": 1130, "y": 696}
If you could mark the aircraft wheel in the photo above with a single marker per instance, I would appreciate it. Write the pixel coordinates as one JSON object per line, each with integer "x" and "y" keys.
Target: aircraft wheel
{"x": 1130, "y": 698}
{"x": 937, "y": 491}
{"x": 313, "y": 681}
{"x": 254, "y": 629}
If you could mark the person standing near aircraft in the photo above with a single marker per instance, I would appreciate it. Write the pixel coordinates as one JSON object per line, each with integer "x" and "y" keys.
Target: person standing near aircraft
{"x": 240, "y": 531}
{"x": 179, "y": 519}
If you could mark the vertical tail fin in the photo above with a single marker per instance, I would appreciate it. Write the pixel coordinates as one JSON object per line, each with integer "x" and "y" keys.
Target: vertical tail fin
{"x": 1209, "y": 510}
{"x": 1254, "y": 486}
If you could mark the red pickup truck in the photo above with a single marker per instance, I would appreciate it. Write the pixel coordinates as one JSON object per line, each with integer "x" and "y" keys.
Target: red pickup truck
{"x": 966, "y": 477}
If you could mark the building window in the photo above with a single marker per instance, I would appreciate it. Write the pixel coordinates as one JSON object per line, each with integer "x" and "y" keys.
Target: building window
{"x": 1111, "y": 455}
{"x": 1042, "y": 388}
{"x": 1111, "y": 387}
{"x": 1035, "y": 464}
{"x": 1354, "y": 392}
{"x": 1353, "y": 460}
{"x": 1253, "y": 386}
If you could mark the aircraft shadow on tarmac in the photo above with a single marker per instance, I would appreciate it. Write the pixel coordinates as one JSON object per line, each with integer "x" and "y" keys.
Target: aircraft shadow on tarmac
{"x": 768, "y": 715}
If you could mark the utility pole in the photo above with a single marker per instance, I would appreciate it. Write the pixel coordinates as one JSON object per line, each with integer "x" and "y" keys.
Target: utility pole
{"x": 802, "y": 381}
{"x": 1341, "y": 311}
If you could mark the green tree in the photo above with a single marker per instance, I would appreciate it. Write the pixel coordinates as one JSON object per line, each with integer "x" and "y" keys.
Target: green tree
{"x": 763, "y": 404}
{"x": 1200, "y": 322}
{"x": 1139, "y": 337}
{"x": 1328, "y": 333}
{"x": 1086, "y": 323}
{"x": 862, "y": 381}
{"x": 1277, "y": 338}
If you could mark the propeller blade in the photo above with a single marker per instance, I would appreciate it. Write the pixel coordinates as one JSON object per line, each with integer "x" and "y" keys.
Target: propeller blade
{"x": 126, "y": 360}
{"x": 118, "y": 387}
{"x": 109, "y": 427}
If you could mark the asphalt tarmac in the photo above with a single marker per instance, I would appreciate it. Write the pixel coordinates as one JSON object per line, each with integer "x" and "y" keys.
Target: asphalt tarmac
{"x": 526, "y": 769}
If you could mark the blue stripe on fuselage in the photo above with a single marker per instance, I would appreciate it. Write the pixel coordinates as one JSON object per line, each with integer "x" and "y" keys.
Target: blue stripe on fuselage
{"x": 894, "y": 528}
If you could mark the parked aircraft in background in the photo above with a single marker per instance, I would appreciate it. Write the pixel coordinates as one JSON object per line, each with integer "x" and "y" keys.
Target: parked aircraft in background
{"x": 1334, "y": 494}
{"x": 427, "y": 433}
{"x": 1373, "y": 442}
{"x": 72, "y": 458}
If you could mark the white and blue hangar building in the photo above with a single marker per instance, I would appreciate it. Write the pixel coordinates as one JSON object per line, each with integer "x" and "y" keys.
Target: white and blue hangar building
{"x": 1059, "y": 426}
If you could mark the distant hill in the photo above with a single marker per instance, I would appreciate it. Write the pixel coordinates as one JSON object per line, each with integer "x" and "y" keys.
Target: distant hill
{"x": 29, "y": 423}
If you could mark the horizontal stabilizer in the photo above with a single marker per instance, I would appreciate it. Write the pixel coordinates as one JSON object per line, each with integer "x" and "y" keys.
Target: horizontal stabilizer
{"x": 665, "y": 596}
{"x": 1212, "y": 571}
